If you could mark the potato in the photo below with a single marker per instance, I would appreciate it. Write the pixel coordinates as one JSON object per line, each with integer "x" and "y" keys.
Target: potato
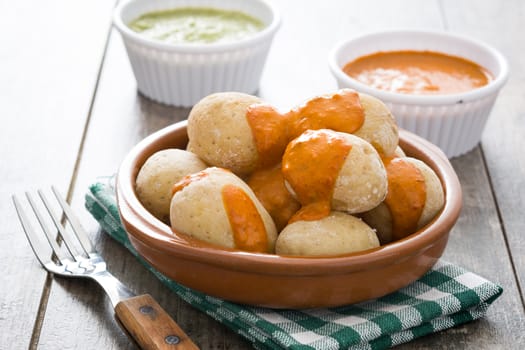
{"x": 307, "y": 170}
{"x": 158, "y": 175}
{"x": 380, "y": 127}
{"x": 399, "y": 153}
{"x": 392, "y": 224}
{"x": 203, "y": 207}
{"x": 336, "y": 234}
{"x": 362, "y": 182}
{"x": 339, "y": 111}
{"x": 315, "y": 159}
{"x": 219, "y": 132}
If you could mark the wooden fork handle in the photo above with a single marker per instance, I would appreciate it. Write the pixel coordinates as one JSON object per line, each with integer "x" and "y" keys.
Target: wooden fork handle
{"x": 150, "y": 326}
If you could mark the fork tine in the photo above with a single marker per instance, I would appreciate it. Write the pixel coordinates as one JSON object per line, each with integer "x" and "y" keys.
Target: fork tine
{"x": 48, "y": 232}
{"x": 66, "y": 237}
{"x": 35, "y": 243}
{"x": 75, "y": 224}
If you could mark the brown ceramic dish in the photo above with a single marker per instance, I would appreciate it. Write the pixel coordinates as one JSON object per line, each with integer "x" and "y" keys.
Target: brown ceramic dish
{"x": 279, "y": 281}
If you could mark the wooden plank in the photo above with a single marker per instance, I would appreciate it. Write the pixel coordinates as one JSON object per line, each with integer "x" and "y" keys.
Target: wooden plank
{"x": 502, "y": 139}
{"x": 50, "y": 56}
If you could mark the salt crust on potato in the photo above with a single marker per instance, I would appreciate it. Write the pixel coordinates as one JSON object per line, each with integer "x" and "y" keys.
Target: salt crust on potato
{"x": 219, "y": 132}
{"x": 380, "y": 217}
{"x": 198, "y": 210}
{"x": 158, "y": 175}
{"x": 379, "y": 127}
{"x": 362, "y": 183}
{"x": 338, "y": 233}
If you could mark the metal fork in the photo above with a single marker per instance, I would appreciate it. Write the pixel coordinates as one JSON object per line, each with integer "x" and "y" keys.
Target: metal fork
{"x": 142, "y": 317}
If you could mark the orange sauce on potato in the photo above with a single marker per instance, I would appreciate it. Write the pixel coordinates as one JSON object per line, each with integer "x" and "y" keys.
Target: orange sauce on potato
{"x": 418, "y": 72}
{"x": 406, "y": 196}
{"x": 186, "y": 180}
{"x": 340, "y": 112}
{"x": 268, "y": 186}
{"x": 311, "y": 165}
{"x": 272, "y": 130}
{"x": 249, "y": 232}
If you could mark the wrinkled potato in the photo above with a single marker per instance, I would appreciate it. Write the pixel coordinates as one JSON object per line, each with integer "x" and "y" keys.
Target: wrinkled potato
{"x": 338, "y": 233}
{"x": 200, "y": 209}
{"x": 158, "y": 175}
{"x": 305, "y": 172}
{"x": 219, "y": 132}
{"x": 380, "y": 127}
{"x": 382, "y": 218}
{"x": 360, "y": 184}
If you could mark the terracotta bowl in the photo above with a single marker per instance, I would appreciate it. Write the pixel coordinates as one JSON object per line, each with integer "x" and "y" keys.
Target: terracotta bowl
{"x": 278, "y": 281}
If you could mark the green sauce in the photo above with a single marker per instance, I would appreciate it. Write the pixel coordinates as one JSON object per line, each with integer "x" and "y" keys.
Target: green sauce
{"x": 196, "y": 25}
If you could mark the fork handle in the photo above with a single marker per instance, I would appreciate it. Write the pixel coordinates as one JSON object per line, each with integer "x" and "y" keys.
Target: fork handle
{"x": 151, "y": 326}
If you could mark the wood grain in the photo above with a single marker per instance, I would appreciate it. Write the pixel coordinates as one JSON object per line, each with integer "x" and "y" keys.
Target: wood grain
{"x": 150, "y": 326}
{"x": 50, "y": 56}
{"x": 502, "y": 138}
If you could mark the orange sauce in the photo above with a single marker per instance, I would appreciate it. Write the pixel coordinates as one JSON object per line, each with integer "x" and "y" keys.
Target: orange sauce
{"x": 269, "y": 130}
{"x": 272, "y": 130}
{"x": 268, "y": 186}
{"x": 418, "y": 72}
{"x": 311, "y": 165}
{"x": 312, "y": 211}
{"x": 406, "y": 196}
{"x": 340, "y": 112}
{"x": 186, "y": 180}
{"x": 249, "y": 232}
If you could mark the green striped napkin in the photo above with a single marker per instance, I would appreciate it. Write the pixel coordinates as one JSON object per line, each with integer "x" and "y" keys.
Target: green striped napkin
{"x": 444, "y": 297}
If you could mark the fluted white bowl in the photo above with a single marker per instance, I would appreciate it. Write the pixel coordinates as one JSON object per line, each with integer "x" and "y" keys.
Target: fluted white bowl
{"x": 454, "y": 122}
{"x": 182, "y": 74}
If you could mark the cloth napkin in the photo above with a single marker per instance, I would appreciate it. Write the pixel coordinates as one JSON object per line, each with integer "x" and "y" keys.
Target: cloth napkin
{"x": 444, "y": 297}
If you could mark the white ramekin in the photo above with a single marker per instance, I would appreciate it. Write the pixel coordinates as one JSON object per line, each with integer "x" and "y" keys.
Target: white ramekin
{"x": 182, "y": 74}
{"x": 453, "y": 122}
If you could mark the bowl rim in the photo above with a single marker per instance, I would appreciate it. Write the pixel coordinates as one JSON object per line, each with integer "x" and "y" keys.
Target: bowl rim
{"x": 144, "y": 227}
{"x": 194, "y": 48}
{"x": 442, "y": 99}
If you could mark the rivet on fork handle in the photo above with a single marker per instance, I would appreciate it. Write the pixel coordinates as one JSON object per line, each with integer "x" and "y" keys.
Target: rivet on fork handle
{"x": 150, "y": 326}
